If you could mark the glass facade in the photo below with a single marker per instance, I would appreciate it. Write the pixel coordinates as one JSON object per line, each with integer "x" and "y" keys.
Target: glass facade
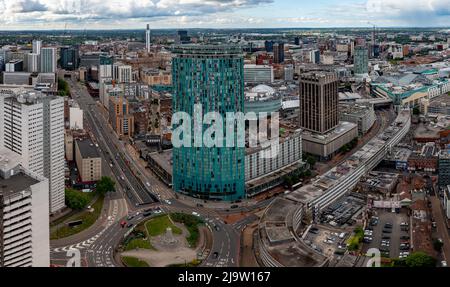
{"x": 212, "y": 76}
{"x": 361, "y": 60}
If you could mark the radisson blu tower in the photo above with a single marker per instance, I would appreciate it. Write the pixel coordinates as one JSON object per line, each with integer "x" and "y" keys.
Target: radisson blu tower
{"x": 212, "y": 76}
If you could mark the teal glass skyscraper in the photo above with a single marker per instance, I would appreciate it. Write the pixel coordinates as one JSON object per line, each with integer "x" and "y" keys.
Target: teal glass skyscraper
{"x": 212, "y": 76}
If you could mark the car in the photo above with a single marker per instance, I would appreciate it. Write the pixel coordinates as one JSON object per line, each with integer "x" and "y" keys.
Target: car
{"x": 215, "y": 255}
{"x": 386, "y": 237}
{"x": 387, "y": 230}
{"x": 404, "y": 224}
{"x": 147, "y": 213}
{"x": 168, "y": 202}
{"x": 367, "y": 239}
{"x": 216, "y": 227}
{"x": 314, "y": 230}
{"x": 388, "y": 225}
{"x": 234, "y": 206}
{"x": 148, "y": 184}
{"x": 157, "y": 211}
{"x": 444, "y": 263}
{"x": 130, "y": 217}
{"x": 404, "y": 237}
{"x": 129, "y": 225}
{"x": 195, "y": 213}
{"x": 123, "y": 223}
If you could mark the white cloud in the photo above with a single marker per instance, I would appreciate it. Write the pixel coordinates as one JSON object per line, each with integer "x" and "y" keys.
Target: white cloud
{"x": 12, "y": 11}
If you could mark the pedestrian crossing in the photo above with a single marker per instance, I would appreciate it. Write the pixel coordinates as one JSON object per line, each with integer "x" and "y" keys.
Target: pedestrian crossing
{"x": 116, "y": 210}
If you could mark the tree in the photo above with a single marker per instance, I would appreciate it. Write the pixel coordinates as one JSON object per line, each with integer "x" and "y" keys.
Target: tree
{"x": 63, "y": 88}
{"x": 311, "y": 160}
{"x": 105, "y": 184}
{"x": 75, "y": 199}
{"x": 416, "y": 111}
{"x": 420, "y": 259}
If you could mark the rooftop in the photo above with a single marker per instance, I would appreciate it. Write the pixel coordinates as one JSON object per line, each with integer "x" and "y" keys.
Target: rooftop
{"x": 340, "y": 130}
{"x": 8, "y": 160}
{"x": 87, "y": 149}
{"x": 193, "y": 49}
{"x": 16, "y": 183}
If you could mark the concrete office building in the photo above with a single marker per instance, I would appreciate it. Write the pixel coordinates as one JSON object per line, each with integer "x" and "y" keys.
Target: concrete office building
{"x": 258, "y": 74}
{"x": 106, "y": 68}
{"x": 32, "y": 125}
{"x": 289, "y": 151}
{"x": 209, "y": 172}
{"x": 289, "y": 73}
{"x": 314, "y": 56}
{"x": 37, "y": 45}
{"x": 119, "y": 116}
{"x": 14, "y": 66}
{"x": 122, "y": 73}
{"x": 106, "y": 90}
{"x": 444, "y": 168}
{"x": 75, "y": 118}
{"x": 361, "y": 114}
{"x": 24, "y": 215}
{"x": 319, "y": 101}
{"x": 326, "y": 145}
{"x": 278, "y": 53}
{"x": 48, "y": 60}
{"x": 33, "y": 63}
{"x": 88, "y": 161}
{"x": 361, "y": 61}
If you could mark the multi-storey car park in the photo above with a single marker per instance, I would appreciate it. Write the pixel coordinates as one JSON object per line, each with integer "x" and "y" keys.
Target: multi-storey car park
{"x": 322, "y": 192}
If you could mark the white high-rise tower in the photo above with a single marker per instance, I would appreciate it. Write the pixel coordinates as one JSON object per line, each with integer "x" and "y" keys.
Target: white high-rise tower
{"x": 147, "y": 39}
{"x": 37, "y": 45}
{"x": 32, "y": 125}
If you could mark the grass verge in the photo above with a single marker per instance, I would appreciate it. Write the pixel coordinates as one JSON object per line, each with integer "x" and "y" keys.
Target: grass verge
{"x": 88, "y": 218}
{"x": 133, "y": 262}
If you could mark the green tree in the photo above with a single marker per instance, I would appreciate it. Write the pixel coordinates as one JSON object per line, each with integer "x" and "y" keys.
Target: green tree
{"x": 311, "y": 160}
{"x": 63, "y": 88}
{"x": 76, "y": 199}
{"x": 420, "y": 259}
{"x": 105, "y": 184}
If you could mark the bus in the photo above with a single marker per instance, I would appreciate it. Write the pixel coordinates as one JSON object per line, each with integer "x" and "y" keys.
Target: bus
{"x": 297, "y": 185}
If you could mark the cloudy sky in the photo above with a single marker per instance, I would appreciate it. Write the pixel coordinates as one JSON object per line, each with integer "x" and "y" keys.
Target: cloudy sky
{"x": 113, "y": 14}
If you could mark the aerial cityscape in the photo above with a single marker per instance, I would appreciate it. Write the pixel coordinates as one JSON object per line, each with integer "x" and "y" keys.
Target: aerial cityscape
{"x": 250, "y": 133}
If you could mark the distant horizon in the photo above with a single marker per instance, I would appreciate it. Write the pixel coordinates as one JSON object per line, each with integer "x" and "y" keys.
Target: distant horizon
{"x": 228, "y": 28}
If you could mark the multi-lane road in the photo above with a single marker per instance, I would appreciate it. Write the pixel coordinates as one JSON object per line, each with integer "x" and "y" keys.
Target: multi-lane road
{"x": 136, "y": 190}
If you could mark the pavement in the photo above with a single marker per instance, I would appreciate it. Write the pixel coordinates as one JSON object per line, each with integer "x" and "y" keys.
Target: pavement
{"x": 441, "y": 227}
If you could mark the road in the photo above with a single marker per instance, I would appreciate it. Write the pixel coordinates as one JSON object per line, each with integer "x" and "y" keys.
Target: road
{"x": 442, "y": 230}
{"x": 135, "y": 190}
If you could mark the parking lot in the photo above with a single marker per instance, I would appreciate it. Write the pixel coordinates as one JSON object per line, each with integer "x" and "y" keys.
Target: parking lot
{"x": 326, "y": 241}
{"x": 389, "y": 233}
{"x": 342, "y": 213}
